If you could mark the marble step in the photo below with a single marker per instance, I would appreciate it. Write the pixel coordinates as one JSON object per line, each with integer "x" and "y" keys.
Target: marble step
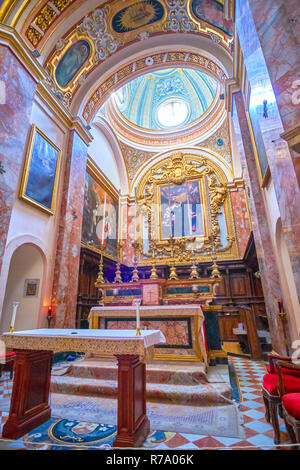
{"x": 195, "y": 395}
{"x": 157, "y": 373}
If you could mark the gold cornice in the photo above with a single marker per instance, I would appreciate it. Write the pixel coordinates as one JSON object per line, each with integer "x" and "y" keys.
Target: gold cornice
{"x": 12, "y": 39}
{"x": 292, "y": 137}
{"x": 233, "y": 84}
{"x": 6, "y": 9}
{"x": 236, "y": 183}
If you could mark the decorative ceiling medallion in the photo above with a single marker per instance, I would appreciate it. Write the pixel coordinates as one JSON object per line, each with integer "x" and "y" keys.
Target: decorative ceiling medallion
{"x": 149, "y": 100}
{"x": 137, "y": 15}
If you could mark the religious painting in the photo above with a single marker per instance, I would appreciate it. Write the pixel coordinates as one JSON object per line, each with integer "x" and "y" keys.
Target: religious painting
{"x": 137, "y": 15}
{"x": 212, "y": 11}
{"x": 256, "y": 123}
{"x": 100, "y": 216}
{"x": 31, "y": 287}
{"x": 181, "y": 210}
{"x": 41, "y": 169}
{"x": 71, "y": 62}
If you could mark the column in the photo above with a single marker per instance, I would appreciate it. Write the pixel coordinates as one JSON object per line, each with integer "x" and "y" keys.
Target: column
{"x": 65, "y": 284}
{"x": 17, "y": 90}
{"x": 263, "y": 242}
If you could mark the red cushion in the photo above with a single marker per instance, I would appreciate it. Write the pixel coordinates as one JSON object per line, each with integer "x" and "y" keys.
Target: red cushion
{"x": 285, "y": 370}
{"x": 291, "y": 402}
{"x": 7, "y": 355}
{"x": 291, "y": 383}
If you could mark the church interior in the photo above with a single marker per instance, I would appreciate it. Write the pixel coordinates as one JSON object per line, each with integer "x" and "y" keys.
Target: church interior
{"x": 150, "y": 225}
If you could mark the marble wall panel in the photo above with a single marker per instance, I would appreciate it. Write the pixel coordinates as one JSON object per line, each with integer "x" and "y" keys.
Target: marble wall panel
{"x": 241, "y": 219}
{"x": 16, "y": 98}
{"x": 66, "y": 270}
{"x": 263, "y": 240}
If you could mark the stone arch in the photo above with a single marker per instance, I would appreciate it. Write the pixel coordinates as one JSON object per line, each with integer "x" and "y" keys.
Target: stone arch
{"x": 16, "y": 270}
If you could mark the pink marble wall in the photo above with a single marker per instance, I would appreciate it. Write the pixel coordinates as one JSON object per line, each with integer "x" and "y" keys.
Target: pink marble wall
{"x": 66, "y": 271}
{"x": 241, "y": 219}
{"x": 278, "y": 29}
{"x": 18, "y": 89}
{"x": 270, "y": 47}
{"x": 263, "y": 242}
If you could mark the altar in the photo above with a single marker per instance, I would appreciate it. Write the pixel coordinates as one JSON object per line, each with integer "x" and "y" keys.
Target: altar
{"x": 30, "y": 395}
{"x": 182, "y": 326}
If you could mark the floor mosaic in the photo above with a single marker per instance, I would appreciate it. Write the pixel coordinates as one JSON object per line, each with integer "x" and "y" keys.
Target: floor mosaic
{"x": 258, "y": 433}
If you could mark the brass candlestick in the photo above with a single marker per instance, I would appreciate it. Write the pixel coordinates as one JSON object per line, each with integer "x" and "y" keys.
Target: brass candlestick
{"x": 153, "y": 271}
{"x": 118, "y": 277}
{"x": 194, "y": 273}
{"x": 173, "y": 275}
{"x": 100, "y": 278}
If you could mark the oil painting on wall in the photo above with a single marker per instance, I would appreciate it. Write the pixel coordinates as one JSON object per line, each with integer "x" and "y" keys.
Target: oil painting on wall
{"x": 71, "y": 62}
{"x": 212, "y": 11}
{"x": 181, "y": 210}
{"x": 100, "y": 216}
{"x": 41, "y": 171}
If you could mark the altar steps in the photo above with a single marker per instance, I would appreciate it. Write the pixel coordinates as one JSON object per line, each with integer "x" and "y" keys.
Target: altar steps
{"x": 173, "y": 384}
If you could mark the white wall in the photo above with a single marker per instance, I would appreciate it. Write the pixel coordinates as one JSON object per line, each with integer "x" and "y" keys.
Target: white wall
{"x": 101, "y": 151}
{"x": 26, "y": 263}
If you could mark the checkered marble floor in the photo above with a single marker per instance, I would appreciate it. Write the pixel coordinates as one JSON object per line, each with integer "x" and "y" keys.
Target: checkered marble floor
{"x": 258, "y": 433}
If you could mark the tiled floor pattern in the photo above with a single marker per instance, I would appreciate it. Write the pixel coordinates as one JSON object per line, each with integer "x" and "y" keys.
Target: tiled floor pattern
{"x": 258, "y": 433}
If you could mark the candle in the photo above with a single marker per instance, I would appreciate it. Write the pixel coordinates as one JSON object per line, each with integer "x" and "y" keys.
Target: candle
{"x": 119, "y": 218}
{"x": 280, "y": 306}
{"x": 169, "y": 197}
{"x": 103, "y": 220}
{"x": 188, "y": 207}
{"x": 138, "y": 320}
{"x": 13, "y": 319}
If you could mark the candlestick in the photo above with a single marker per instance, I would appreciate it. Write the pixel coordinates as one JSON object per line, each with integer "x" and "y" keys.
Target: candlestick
{"x": 137, "y": 303}
{"x": 13, "y": 318}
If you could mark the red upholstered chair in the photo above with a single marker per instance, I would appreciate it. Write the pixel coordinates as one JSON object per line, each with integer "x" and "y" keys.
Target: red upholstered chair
{"x": 272, "y": 367}
{"x": 290, "y": 402}
{"x": 272, "y": 397}
{"x": 9, "y": 363}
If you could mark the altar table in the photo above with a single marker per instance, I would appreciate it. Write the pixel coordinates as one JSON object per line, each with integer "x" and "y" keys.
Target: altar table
{"x": 182, "y": 326}
{"x": 30, "y": 395}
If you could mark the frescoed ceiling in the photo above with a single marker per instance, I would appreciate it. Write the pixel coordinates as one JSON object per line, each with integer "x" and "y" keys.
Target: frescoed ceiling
{"x": 165, "y": 99}
{"x": 74, "y": 37}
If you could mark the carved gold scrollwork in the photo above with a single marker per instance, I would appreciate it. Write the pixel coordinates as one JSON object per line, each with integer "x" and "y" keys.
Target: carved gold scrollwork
{"x": 217, "y": 196}
{"x": 178, "y": 169}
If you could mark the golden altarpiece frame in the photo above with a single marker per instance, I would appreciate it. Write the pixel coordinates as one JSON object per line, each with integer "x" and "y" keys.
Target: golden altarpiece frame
{"x": 218, "y": 234}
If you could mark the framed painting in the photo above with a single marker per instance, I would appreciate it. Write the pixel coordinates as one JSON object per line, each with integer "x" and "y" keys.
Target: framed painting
{"x": 31, "y": 288}
{"x": 100, "y": 218}
{"x": 181, "y": 213}
{"x": 40, "y": 175}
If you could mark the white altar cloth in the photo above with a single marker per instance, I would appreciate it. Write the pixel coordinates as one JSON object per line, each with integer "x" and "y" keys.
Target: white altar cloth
{"x": 95, "y": 341}
{"x": 150, "y": 337}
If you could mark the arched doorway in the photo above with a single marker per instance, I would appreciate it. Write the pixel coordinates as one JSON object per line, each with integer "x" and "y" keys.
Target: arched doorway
{"x": 24, "y": 285}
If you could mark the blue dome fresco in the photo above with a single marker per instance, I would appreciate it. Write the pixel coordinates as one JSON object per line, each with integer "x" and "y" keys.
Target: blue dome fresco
{"x": 166, "y": 99}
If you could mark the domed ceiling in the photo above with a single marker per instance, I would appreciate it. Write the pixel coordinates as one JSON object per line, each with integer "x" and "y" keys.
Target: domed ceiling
{"x": 166, "y": 99}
